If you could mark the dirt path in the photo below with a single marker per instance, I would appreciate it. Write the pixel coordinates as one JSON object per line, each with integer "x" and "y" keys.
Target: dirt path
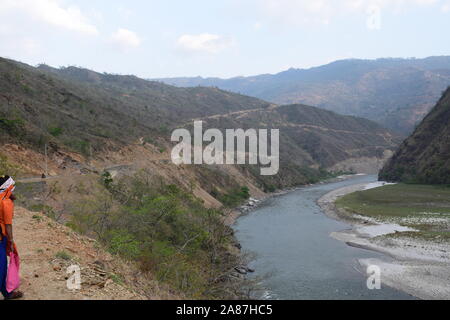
{"x": 240, "y": 113}
{"x": 46, "y": 250}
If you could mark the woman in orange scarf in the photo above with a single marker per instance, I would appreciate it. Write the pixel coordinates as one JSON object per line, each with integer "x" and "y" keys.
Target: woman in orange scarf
{"x": 7, "y": 245}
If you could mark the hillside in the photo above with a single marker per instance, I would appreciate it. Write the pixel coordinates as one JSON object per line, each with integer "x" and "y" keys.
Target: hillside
{"x": 85, "y": 117}
{"x": 87, "y": 112}
{"x": 314, "y": 139}
{"x": 154, "y": 104}
{"x": 47, "y": 249}
{"x": 425, "y": 156}
{"x": 397, "y": 93}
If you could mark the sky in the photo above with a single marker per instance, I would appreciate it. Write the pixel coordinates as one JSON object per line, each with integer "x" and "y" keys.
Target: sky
{"x": 219, "y": 38}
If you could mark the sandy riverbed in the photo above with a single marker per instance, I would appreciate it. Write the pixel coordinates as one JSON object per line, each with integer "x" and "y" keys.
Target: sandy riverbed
{"x": 418, "y": 267}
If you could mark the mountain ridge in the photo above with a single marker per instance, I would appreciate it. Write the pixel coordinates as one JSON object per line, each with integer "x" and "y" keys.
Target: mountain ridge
{"x": 394, "y": 92}
{"x": 79, "y": 110}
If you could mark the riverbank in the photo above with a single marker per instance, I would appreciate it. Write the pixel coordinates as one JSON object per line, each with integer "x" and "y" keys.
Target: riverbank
{"x": 420, "y": 267}
{"x": 254, "y": 203}
{"x": 287, "y": 241}
{"x": 250, "y": 206}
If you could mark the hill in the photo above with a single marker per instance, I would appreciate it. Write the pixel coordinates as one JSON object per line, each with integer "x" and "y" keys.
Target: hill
{"x": 47, "y": 250}
{"x": 315, "y": 140}
{"x": 425, "y": 156}
{"x": 397, "y": 93}
{"x": 84, "y": 116}
{"x": 86, "y": 111}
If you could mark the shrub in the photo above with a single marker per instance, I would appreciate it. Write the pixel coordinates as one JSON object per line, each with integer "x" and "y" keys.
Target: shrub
{"x": 11, "y": 125}
{"x": 107, "y": 180}
{"x": 63, "y": 255}
{"x": 55, "y": 131}
{"x": 163, "y": 228}
{"x": 7, "y": 168}
{"x": 235, "y": 197}
{"x": 124, "y": 244}
{"x": 80, "y": 146}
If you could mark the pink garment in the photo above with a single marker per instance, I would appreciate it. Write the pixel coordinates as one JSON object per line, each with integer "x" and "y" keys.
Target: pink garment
{"x": 13, "y": 277}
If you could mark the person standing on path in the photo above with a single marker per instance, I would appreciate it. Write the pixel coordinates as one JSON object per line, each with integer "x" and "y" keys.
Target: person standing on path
{"x": 7, "y": 198}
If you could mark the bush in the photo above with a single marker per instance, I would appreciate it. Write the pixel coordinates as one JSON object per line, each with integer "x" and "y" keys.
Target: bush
{"x": 235, "y": 197}
{"x": 163, "y": 228}
{"x": 107, "y": 180}
{"x": 80, "y": 146}
{"x": 7, "y": 168}
{"x": 124, "y": 244}
{"x": 11, "y": 125}
{"x": 63, "y": 255}
{"x": 55, "y": 131}
{"x": 269, "y": 188}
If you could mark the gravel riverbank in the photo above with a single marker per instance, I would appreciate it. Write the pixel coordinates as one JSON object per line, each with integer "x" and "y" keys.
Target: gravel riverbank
{"x": 418, "y": 267}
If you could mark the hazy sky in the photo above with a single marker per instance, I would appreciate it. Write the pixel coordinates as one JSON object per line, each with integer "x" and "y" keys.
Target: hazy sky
{"x": 218, "y": 37}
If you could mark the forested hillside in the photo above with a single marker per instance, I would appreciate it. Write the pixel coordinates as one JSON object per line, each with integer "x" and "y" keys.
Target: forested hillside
{"x": 87, "y": 113}
{"x": 78, "y": 108}
{"x": 425, "y": 156}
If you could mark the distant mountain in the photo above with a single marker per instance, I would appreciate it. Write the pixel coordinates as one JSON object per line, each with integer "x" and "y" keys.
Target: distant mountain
{"x": 425, "y": 156}
{"x": 396, "y": 93}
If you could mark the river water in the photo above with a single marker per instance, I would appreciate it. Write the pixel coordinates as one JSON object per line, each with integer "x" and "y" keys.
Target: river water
{"x": 294, "y": 255}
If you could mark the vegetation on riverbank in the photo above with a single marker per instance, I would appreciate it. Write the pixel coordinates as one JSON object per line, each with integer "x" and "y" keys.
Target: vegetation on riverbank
{"x": 425, "y": 208}
{"x": 164, "y": 229}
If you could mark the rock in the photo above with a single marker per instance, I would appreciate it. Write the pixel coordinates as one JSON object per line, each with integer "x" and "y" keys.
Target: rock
{"x": 241, "y": 270}
{"x": 108, "y": 283}
{"x": 100, "y": 264}
{"x": 237, "y": 275}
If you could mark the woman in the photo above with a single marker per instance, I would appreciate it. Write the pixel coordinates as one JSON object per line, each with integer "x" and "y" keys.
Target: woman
{"x": 7, "y": 245}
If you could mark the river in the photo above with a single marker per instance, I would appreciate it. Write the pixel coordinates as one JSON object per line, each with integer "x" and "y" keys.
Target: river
{"x": 294, "y": 255}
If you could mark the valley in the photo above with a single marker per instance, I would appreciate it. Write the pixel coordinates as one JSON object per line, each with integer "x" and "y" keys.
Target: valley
{"x": 224, "y": 158}
{"x": 102, "y": 140}
{"x": 104, "y": 144}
